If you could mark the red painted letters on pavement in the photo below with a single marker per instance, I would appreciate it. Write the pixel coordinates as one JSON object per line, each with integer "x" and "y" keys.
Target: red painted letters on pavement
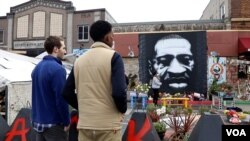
{"x": 18, "y": 132}
{"x": 132, "y": 136}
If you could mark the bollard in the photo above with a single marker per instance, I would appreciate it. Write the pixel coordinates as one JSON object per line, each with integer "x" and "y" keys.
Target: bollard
{"x": 132, "y": 99}
{"x": 144, "y": 102}
{"x": 132, "y": 102}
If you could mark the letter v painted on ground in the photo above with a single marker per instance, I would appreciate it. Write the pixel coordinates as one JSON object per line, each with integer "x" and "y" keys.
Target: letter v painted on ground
{"x": 132, "y": 136}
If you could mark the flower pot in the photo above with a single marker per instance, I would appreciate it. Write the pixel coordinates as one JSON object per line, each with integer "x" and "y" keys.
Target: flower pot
{"x": 161, "y": 135}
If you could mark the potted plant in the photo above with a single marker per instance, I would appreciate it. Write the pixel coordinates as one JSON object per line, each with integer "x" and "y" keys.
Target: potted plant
{"x": 213, "y": 89}
{"x": 181, "y": 122}
{"x": 132, "y": 79}
{"x": 160, "y": 128}
{"x": 151, "y": 108}
{"x": 132, "y": 82}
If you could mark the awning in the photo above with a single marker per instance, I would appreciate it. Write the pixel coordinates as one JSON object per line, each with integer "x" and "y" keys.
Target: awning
{"x": 244, "y": 45}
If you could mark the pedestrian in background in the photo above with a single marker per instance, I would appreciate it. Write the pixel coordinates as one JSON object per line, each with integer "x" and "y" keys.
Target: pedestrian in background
{"x": 99, "y": 80}
{"x": 156, "y": 84}
{"x": 50, "y": 113}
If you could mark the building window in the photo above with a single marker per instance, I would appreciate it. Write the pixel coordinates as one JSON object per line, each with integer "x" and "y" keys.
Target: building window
{"x": 1, "y": 36}
{"x": 23, "y": 27}
{"x": 83, "y": 33}
{"x": 56, "y": 24}
{"x": 222, "y": 11}
{"x": 39, "y": 24}
{"x": 97, "y": 16}
{"x": 211, "y": 17}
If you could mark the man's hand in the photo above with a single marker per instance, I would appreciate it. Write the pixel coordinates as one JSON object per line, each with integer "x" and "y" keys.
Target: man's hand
{"x": 122, "y": 117}
{"x": 66, "y": 128}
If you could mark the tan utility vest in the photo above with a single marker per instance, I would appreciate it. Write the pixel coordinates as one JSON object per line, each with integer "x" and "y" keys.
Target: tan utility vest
{"x": 92, "y": 73}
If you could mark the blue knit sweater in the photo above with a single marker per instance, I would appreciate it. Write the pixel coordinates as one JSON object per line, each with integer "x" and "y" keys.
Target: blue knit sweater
{"x": 48, "y": 105}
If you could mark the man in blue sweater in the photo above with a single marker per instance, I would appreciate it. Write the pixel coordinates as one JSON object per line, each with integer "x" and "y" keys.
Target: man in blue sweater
{"x": 50, "y": 113}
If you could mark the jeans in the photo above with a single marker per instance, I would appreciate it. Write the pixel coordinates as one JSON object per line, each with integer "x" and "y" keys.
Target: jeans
{"x": 55, "y": 133}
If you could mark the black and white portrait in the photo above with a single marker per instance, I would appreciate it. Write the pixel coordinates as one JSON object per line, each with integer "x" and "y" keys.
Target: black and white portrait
{"x": 179, "y": 59}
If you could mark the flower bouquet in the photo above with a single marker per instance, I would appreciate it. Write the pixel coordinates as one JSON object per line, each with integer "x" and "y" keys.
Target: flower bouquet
{"x": 142, "y": 88}
{"x": 232, "y": 116}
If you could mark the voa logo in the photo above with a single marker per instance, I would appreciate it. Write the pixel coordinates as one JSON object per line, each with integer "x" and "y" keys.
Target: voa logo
{"x": 236, "y": 132}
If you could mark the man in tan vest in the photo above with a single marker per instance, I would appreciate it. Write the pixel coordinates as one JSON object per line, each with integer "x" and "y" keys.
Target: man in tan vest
{"x": 99, "y": 80}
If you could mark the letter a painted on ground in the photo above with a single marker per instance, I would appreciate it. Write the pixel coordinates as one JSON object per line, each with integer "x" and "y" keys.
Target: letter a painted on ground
{"x": 140, "y": 128}
{"x": 18, "y": 132}
{"x": 21, "y": 129}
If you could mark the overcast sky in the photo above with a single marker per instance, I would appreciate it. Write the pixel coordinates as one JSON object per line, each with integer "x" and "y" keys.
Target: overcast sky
{"x": 124, "y": 11}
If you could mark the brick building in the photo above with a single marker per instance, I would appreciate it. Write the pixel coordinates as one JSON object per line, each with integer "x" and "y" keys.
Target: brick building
{"x": 234, "y": 13}
{"x": 27, "y": 25}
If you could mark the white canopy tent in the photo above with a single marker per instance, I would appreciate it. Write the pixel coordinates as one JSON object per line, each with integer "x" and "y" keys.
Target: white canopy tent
{"x": 15, "y": 80}
{"x": 15, "y": 67}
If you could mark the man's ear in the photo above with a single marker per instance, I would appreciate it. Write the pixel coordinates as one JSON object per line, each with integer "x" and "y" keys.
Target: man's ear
{"x": 106, "y": 38}
{"x": 55, "y": 49}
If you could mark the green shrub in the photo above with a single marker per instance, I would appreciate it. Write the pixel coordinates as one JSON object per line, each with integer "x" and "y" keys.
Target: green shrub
{"x": 160, "y": 126}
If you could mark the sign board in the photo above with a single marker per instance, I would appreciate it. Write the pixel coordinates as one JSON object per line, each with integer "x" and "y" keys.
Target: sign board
{"x": 29, "y": 44}
{"x": 79, "y": 52}
{"x": 217, "y": 69}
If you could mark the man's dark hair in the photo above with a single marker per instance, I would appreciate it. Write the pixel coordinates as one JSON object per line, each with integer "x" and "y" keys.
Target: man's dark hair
{"x": 51, "y": 42}
{"x": 99, "y": 29}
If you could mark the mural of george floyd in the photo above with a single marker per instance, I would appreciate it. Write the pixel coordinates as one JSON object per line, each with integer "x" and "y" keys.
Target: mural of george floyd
{"x": 180, "y": 59}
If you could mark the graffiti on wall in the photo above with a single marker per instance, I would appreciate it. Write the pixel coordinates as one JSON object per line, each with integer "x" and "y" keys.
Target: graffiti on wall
{"x": 180, "y": 59}
{"x": 217, "y": 69}
{"x": 19, "y": 96}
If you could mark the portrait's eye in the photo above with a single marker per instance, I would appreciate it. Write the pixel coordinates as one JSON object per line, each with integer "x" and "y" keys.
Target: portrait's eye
{"x": 165, "y": 60}
{"x": 184, "y": 58}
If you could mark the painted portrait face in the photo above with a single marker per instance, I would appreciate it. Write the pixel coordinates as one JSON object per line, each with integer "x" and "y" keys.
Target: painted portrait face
{"x": 174, "y": 62}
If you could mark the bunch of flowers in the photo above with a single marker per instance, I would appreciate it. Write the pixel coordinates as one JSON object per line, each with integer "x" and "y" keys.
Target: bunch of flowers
{"x": 161, "y": 111}
{"x": 230, "y": 112}
{"x": 142, "y": 88}
{"x": 232, "y": 116}
{"x": 178, "y": 95}
{"x": 154, "y": 116}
